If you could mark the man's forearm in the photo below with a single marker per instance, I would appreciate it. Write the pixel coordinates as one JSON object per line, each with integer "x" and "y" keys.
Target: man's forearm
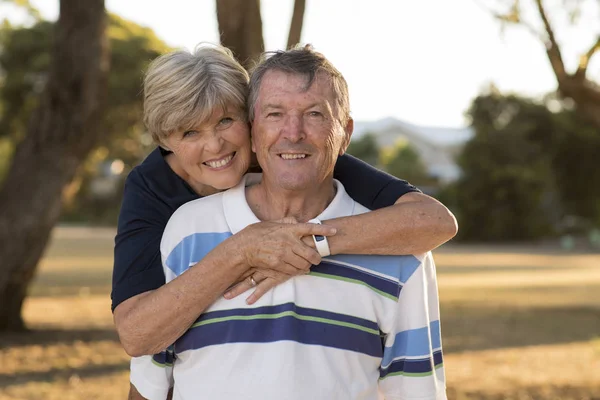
{"x": 414, "y": 225}
{"x": 150, "y": 322}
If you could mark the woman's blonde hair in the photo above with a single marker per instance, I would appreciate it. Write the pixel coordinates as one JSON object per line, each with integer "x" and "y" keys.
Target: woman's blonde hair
{"x": 183, "y": 89}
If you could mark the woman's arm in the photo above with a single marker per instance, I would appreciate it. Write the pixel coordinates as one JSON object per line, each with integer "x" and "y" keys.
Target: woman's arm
{"x": 415, "y": 224}
{"x": 404, "y": 220}
{"x": 149, "y": 322}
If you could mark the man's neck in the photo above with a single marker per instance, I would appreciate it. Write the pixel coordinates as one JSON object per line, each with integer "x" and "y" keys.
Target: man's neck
{"x": 271, "y": 204}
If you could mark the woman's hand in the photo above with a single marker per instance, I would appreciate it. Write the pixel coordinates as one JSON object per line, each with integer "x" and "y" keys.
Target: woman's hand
{"x": 263, "y": 281}
{"x": 284, "y": 249}
{"x": 279, "y": 246}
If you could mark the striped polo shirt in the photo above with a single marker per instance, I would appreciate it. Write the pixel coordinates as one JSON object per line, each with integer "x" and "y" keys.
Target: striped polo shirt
{"x": 356, "y": 327}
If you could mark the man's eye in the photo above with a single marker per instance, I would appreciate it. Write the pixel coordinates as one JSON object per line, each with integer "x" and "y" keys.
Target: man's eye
{"x": 315, "y": 114}
{"x": 275, "y": 114}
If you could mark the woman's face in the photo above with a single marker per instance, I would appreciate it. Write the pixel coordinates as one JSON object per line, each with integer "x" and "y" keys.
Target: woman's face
{"x": 214, "y": 154}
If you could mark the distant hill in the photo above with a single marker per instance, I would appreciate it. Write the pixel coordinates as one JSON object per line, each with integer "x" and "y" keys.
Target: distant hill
{"x": 435, "y": 135}
{"x": 438, "y": 147}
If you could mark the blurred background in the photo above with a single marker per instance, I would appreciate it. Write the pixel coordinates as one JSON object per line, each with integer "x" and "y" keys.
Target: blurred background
{"x": 491, "y": 106}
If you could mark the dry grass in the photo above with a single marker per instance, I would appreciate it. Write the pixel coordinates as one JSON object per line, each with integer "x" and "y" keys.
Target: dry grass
{"x": 518, "y": 324}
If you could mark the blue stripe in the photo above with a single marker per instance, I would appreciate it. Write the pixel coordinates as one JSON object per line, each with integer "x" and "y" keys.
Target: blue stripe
{"x": 436, "y": 334}
{"x": 385, "y": 285}
{"x": 279, "y": 329}
{"x": 192, "y": 249}
{"x": 397, "y": 267}
{"x": 309, "y": 312}
{"x": 413, "y": 343}
{"x": 420, "y": 366}
{"x": 164, "y": 358}
{"x": 438, "y": 358}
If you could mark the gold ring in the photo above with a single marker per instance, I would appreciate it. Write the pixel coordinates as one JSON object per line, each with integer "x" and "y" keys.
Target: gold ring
{"x": 252, "y": 281}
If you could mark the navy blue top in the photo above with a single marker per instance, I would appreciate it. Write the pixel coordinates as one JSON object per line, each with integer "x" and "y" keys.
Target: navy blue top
{"x": 153, "y": 192}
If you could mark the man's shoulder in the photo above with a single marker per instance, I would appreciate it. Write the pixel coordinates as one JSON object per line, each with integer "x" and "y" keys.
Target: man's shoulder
{"x": 193, "y": 216}
{"x": 192, "y": 231}
{"x": 359, "y": 208}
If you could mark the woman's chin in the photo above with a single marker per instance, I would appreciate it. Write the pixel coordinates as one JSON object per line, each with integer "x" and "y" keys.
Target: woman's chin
{"x": 228, "y": 183}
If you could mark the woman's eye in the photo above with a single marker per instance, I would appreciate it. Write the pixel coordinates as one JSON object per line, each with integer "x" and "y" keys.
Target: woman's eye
{"x": 189, "y": 133}
{"x": 315, "y": 114}
{"x": 225, "y": 121}
{"x": 274, "y": 114}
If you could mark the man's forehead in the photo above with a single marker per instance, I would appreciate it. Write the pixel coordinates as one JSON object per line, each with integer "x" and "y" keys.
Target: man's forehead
{"x": 276, "y": 83}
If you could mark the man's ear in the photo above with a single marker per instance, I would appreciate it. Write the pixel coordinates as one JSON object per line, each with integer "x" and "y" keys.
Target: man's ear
{"x": 348, "y": 129}
{"x": 253, "y": 147}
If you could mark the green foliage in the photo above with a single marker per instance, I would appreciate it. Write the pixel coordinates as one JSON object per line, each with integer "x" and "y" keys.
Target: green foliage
{"x": 574, "y": 152}
{"x": 365, "y": 148}
{"x": 505, "y": 173}
{"x": 525, "y": 172}
{"x": 24, "y": 63}
{"x": 404, "y": 162}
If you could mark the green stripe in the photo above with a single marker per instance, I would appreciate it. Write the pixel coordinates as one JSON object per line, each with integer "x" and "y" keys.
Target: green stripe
{"x": 286, "y": 314}
{"x": 409, "y": 374}
{"x": 350, "y": 280}
{"x": 412, "y": 374}
{"x": 161, "y": 365}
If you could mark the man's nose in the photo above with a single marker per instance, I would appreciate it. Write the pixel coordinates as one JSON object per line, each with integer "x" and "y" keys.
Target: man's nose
{"x": 293, "y": 129}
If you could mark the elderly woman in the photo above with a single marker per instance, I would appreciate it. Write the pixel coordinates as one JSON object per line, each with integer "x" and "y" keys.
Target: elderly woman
{"x": 195, "y": 109}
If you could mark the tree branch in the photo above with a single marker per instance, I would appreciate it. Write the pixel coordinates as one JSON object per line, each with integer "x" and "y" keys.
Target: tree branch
{"x": 511, "y": 18}
{"x": 584, "y": 60}
{"x": 552, "y": 47}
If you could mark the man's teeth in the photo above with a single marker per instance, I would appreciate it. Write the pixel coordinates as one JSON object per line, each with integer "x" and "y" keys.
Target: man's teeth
{"x": 219, "y": 163}
{"x": 292, "y": 156}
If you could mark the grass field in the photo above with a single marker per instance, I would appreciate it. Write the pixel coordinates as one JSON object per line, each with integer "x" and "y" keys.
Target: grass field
{"x": 517, "y": 324}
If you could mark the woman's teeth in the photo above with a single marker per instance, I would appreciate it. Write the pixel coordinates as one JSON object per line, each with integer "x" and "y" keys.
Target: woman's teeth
{"x": 219, "y": 163}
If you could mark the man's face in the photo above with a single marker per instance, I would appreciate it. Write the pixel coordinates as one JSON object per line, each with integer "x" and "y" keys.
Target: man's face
{"x": 296, "y": 133}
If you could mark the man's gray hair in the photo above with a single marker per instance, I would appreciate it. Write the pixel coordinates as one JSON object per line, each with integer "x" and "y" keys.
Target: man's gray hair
{"x": 183, "y": 89}
{"x": 302, "y": 60}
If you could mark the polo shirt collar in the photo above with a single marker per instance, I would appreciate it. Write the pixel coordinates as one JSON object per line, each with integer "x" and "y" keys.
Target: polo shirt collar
{"x": 239, "y": 214}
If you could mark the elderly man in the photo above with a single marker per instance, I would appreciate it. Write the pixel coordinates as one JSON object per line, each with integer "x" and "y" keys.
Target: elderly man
{"x": 355, "y": 327}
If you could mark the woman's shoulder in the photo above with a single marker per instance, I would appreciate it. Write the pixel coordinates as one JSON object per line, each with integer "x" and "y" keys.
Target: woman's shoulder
{"x": 154, "y": 180}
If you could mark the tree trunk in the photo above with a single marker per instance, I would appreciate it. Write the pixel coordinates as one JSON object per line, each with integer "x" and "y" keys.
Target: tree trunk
{"x": 584, "y": 93}
{"x": 61, "y": 133}
{"x": 296, "y": 24}
{"x": 240, "y": 27}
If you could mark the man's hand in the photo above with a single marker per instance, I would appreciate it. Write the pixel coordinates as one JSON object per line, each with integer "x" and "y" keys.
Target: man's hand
{"x": 267, "y": 279}
{"x": 279, "y": 246}
{"x": 135, "y": 395}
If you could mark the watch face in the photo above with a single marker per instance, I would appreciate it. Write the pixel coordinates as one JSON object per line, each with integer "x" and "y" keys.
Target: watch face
{"x": 319, "y": 238}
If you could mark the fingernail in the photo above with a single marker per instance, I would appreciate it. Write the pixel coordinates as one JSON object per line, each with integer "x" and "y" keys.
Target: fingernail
{"x": 227, "y": 295}
{"x": 333, "y": 231}
{"x": 250, "y": 300}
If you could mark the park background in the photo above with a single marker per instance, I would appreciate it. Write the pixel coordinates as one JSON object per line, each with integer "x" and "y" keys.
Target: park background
{"x": 492, "y": 106}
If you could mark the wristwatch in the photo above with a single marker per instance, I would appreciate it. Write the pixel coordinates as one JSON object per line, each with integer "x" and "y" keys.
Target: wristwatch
{"x": 321, "y": 242}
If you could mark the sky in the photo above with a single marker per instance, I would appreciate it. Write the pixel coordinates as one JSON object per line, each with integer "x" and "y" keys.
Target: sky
{"x": 419, "y": 61}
